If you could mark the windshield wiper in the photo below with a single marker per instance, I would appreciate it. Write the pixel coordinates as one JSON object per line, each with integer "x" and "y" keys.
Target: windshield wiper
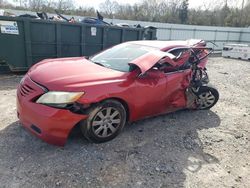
{"x": 97, "y": 63}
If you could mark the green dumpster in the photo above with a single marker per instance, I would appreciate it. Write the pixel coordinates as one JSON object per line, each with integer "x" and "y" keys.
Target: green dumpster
{"x": 24, "y": 41}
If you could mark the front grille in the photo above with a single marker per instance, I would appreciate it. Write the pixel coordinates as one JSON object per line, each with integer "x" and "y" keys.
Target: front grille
{"x": 25, "y": 90}
{"x": 29, "y": 89}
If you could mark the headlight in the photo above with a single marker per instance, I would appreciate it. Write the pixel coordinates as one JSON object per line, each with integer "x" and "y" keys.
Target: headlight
{"x": 59, "y": 97}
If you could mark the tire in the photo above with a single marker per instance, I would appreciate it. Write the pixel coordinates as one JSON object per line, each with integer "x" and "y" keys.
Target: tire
{"x": 105, "y": 121}
{"x": 207, "y": 97}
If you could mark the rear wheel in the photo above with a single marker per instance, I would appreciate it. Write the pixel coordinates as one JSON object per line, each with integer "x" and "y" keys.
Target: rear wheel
{"x": 105, "y": 121}
{"x": 207, "y": 97}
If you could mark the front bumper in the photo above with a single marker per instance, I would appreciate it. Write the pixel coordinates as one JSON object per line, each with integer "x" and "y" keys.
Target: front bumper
{"x": 49, "y": 124}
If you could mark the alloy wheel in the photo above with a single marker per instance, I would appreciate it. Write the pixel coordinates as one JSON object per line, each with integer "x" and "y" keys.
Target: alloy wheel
{"x": 205, "y": 100}
{"x": 106, "y": 122}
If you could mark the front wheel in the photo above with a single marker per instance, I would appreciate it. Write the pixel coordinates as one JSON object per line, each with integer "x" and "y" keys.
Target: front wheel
{"x": 207, "y": 97}
{"x": 105, "y": 121}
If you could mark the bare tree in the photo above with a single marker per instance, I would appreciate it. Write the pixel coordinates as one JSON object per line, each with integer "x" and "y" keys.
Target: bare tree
{"x": 37, "y": 4}
{"x": 63, "y": 5}
{"x": 213, "y": 12}
{"x": 21, "y": 3}
{"x": 183, "y": 11}
{"x": 211, "y": 5}
{"x": 109, "y": 7}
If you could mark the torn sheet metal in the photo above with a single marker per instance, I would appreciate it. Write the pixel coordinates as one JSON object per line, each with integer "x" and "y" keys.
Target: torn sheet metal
{"x": 148, "y": 60}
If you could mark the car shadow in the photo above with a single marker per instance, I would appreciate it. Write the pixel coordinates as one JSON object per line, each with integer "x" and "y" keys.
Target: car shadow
{"x": 155, "y": 152}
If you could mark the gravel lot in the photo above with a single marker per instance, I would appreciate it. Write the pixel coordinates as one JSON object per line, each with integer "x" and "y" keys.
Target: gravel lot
{"x": 182, "y": 149}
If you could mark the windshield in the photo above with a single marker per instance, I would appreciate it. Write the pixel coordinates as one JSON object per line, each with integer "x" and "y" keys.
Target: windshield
{"x": 119, "y": 56}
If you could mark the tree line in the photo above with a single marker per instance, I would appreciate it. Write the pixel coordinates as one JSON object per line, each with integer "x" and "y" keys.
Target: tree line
{"x": 213, "y": 12}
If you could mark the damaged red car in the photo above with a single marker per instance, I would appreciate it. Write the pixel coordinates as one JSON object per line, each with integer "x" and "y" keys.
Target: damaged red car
{"x": 127, "y": 82}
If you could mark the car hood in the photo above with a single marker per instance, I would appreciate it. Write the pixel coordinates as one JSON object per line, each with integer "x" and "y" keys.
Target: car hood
{"x": 71, "y": 74}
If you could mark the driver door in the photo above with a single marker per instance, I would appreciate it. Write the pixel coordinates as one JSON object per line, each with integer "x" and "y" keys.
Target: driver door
{"x": 161, "y": 94}
{"x": 151, "y": 98}
{"x": 177, "y": 83}
{"x": 157, "y": 91}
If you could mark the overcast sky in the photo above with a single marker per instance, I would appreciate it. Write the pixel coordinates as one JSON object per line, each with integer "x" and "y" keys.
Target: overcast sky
{"x": 95, "y": 3}
{"x": 192, "y": 3}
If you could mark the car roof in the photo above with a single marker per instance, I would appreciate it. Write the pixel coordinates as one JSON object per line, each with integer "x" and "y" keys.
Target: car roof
{"x": 166, "y": 44}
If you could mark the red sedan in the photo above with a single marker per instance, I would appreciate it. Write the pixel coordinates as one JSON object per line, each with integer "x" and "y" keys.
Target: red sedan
{"x": 127, "y": 82}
